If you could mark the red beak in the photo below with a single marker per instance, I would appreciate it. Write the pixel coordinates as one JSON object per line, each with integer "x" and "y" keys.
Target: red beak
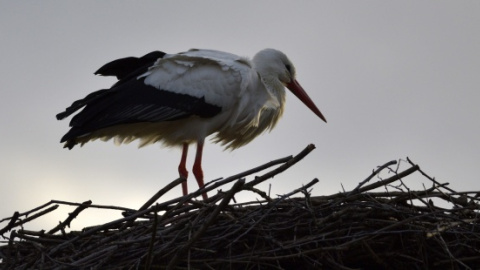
{"x": 298, "y": 91}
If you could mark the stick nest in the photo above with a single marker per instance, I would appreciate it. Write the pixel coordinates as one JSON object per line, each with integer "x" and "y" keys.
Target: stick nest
{"x": 394, "y": 228}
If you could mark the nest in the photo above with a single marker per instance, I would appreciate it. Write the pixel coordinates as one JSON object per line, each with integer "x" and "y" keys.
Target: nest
{"x": 394, "y": 228}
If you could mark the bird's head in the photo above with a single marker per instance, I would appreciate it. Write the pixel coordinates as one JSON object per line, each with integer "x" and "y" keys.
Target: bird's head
{"x": 275, "y": 67}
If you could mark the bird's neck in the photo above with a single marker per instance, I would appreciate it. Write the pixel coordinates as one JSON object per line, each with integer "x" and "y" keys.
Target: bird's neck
{"x": 276, "y": 89}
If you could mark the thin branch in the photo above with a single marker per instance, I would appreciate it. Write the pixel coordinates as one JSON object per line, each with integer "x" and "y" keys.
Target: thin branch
{"x": 10, "y": 224}
{"x": 70, "y": 217}
{"x": 375, "y": 172}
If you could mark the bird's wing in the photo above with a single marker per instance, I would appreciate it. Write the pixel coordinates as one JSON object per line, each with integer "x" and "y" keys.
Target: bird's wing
{"x": 123, "y": 67}
{"x": 78, "y": 104}
{"x": 133, "y": 102}
{"x": 222, "y": 79}
{"x": 175, "y": 87}
{"x": 211, "y": 74}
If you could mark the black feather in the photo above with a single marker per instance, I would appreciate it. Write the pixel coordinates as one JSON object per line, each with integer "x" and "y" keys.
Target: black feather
{"x": 123, "y": 67}
{"x": 134, "y": 102}
{"x": 76, "y": 105}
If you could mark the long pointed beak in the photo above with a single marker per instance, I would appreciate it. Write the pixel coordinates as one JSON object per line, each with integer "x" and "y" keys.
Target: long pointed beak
{"x": 298, "y": 91}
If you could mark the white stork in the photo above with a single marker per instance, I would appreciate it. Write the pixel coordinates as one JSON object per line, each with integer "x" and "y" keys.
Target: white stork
{"x": 182, "y": 98}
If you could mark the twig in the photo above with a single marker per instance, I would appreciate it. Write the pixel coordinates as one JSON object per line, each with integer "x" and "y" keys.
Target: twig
{"x": 282, "y": 168}
{"x": 251, "y": 171}
{"x": 375, "y": 172}
{"x": 70, "y": 217}
{"x": 10, "y": 224}
{"x": 161, "y": 192}
{"x": 148, "y": 260}
{"x": 39, "y": 214}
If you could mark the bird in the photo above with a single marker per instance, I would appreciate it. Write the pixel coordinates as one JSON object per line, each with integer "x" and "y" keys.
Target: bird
{"x": 182, "y": 98}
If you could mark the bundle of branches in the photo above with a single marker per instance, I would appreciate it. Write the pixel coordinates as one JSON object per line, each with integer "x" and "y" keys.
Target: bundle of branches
{"x": 395, "y": 228}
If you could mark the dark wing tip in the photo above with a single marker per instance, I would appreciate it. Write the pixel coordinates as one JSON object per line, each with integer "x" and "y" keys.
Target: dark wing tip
{"x": 69, "y": 144}
{"x": 61, "y": 115}
{"x": 76, "y": 105}
{"x": 69, "y": 140}
{"x": 122, "y": 67}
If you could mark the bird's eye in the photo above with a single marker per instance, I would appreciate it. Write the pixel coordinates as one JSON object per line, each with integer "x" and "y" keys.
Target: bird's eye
{"x": 289, "y": 68}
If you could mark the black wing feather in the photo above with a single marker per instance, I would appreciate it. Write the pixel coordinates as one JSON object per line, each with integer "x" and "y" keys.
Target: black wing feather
{"x": 130, "y": 100}
{"x": 134, "y": 102}
{"x": 123, "y": 67}
{"x": 76, "y": 105}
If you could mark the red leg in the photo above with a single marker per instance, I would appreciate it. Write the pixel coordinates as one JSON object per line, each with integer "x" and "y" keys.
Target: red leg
{"x": 182, "y": 169}
{"x": 197, "y": 167}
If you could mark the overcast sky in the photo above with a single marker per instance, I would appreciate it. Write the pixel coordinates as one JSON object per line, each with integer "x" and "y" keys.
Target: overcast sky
{"x": 393, "y": 79}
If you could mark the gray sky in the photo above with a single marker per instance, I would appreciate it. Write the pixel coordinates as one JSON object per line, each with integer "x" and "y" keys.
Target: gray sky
{"x": 394, "y": 79}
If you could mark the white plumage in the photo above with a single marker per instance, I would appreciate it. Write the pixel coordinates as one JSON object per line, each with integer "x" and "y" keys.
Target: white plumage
{"x": 177, "y": 99}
